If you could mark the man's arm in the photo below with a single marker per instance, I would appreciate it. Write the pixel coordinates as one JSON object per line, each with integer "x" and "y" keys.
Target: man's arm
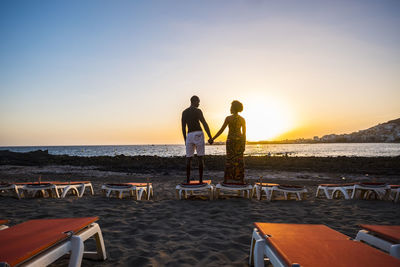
{"x": 205, "y": 125}
{"x": 183, "y": 121}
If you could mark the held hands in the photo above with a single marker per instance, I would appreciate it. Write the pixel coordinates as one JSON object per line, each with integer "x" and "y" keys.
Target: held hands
{"x": 210, "y": 141}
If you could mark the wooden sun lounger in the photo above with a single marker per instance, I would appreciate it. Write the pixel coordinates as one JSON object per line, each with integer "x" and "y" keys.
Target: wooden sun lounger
{"x": 136, "y": 190}
{"x": 385, "y": 237}
{"x": 245, "y": 190}
{"x": 312, "y": 246}
{"x": 41, "y": 242}
{"x": 194, "y": 188}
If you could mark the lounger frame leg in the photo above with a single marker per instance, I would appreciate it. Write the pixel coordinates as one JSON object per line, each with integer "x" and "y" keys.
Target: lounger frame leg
{"x": 95, "y": 231}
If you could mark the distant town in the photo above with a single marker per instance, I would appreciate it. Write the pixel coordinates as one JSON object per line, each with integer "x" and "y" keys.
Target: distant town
{"x": 388, "y": 132}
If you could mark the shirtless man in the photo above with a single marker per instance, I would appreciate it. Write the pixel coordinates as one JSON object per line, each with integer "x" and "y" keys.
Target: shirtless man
{"x": 194, "y": 140}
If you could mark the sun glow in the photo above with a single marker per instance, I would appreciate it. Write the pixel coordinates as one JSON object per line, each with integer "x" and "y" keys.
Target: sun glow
{"x": 266, "y": 118}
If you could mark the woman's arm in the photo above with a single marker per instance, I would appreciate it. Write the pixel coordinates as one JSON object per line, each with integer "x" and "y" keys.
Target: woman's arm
{"x": 244, "y": 129}
{"x": 222, "y": 129}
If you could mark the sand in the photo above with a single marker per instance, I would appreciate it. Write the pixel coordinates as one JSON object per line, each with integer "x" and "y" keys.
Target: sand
{"x": 169, "y": 232}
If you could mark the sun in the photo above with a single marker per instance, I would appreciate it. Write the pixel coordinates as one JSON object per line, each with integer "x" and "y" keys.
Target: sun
{"x": 266, "y": 118}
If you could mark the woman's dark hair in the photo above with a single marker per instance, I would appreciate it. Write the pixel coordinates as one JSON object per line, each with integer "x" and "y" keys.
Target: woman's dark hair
{"x": 236, "y": 106}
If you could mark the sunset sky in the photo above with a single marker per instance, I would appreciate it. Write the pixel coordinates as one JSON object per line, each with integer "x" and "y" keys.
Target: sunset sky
{"x": 121, "y": 72}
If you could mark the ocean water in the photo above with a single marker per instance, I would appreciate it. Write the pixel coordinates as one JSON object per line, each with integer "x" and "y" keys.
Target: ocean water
{"x": 292, "y": 150}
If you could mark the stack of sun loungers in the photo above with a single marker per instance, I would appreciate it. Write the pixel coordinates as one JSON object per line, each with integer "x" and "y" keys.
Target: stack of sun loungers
{"x": 54, "y": 189}
{"x": 41, "y": 242}
{"x": 312, "y": 246}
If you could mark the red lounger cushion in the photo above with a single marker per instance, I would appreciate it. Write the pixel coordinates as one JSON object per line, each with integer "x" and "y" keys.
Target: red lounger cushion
{"x": 388, "y": 232}
{"x": 72, "y": 182}
{"x": 337, "y": 185}
{"x": 266, "y": 184}
{"x": 3, "y": 222}
{"x": 23, "y": 241}
{"x": 197, "y": 183}
{"x": 318, "y": 245}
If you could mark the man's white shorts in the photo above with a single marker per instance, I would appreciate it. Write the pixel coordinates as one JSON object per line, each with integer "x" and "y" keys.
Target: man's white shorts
{"x": 195, "y": 140}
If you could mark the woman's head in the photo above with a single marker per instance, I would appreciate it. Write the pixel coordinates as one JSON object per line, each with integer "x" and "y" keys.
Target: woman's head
{"x": 236, "y": 107}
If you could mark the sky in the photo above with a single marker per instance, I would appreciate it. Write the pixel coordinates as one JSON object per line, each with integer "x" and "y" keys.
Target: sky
{"x": 121, "y": 72}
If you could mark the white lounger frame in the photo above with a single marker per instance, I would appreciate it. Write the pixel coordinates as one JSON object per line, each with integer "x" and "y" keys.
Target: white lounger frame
{"x": 395, "y": 194}
{"x": 390, "y": 247}
{"x": 131, "y": 191}
{"x": 287, "y": 192}
{"x": 74, "y": 245}
{"x": 332, "y": 192}
{"x": 27, "y": 190}
{"x": 182, "y": 190}
{"x": 13, "y": 188}
{"x": 260, "y": 248}
{"x": 77, "y": 189}
{"x": 248, "y": 189}
{"x": 382, "y": 192}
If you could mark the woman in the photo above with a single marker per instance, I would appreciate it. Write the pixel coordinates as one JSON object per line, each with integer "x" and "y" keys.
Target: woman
{"x": 235, "y": 144}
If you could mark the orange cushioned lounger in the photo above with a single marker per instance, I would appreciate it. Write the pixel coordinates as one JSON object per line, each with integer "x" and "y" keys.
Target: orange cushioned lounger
{"x": 23, "y": 242}
{"x": 389, "y": 232}
{"x": 385, "y": 237}
{"x": 3, "y": 222}
{"x": 313, "y": 246}
{"x": 195, "y": 188}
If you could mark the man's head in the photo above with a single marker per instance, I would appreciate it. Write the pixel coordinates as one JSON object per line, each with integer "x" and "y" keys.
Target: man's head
{"x": 195, "y": 101}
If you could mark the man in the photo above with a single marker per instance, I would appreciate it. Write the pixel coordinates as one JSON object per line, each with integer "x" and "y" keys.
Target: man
{"x": 194, "y": 140}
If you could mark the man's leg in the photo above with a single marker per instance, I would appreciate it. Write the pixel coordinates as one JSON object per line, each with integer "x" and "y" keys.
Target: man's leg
{"x": 201, "y": 165}
{"x": 188, "y": 166}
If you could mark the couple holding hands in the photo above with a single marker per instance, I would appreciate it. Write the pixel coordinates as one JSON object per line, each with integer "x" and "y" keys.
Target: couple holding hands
{"x": 235, "y": 143}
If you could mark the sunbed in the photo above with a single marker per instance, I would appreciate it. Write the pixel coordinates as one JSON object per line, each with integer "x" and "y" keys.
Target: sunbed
{"x": 3, "y": 224}
{"x": 41, "y": 242}
{"x": 5, "y": 187}
{"x": 78, "y": 188}
{"x": 261, "y": 188}
{"x": 136, "y": 190}
{"x": 195, "y": 188}
{"x": 241, "y": 189}
{"x": 366, "y": 190}
{"x": 385, "y": 237}
{"x": 54, "y": 188}
{"x": 332, "y": 191}
{"x": 46, "y": 189}
{"x": 312, "y": 246}
{"x": 299, "y": 192}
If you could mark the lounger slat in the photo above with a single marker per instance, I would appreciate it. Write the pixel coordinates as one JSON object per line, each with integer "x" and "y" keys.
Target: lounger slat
{"x": 20, "y": 243}
{"x": 389, "y": 232}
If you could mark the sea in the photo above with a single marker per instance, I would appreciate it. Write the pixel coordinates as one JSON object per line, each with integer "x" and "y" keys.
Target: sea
{"x": 290, "y": 150}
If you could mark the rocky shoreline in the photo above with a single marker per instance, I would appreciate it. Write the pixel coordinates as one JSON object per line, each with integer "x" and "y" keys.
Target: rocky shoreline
{"x": 149, "y": 164}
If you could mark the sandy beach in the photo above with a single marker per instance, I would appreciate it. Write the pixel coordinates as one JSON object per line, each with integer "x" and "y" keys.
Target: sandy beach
{"x": 169, "y": 232}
